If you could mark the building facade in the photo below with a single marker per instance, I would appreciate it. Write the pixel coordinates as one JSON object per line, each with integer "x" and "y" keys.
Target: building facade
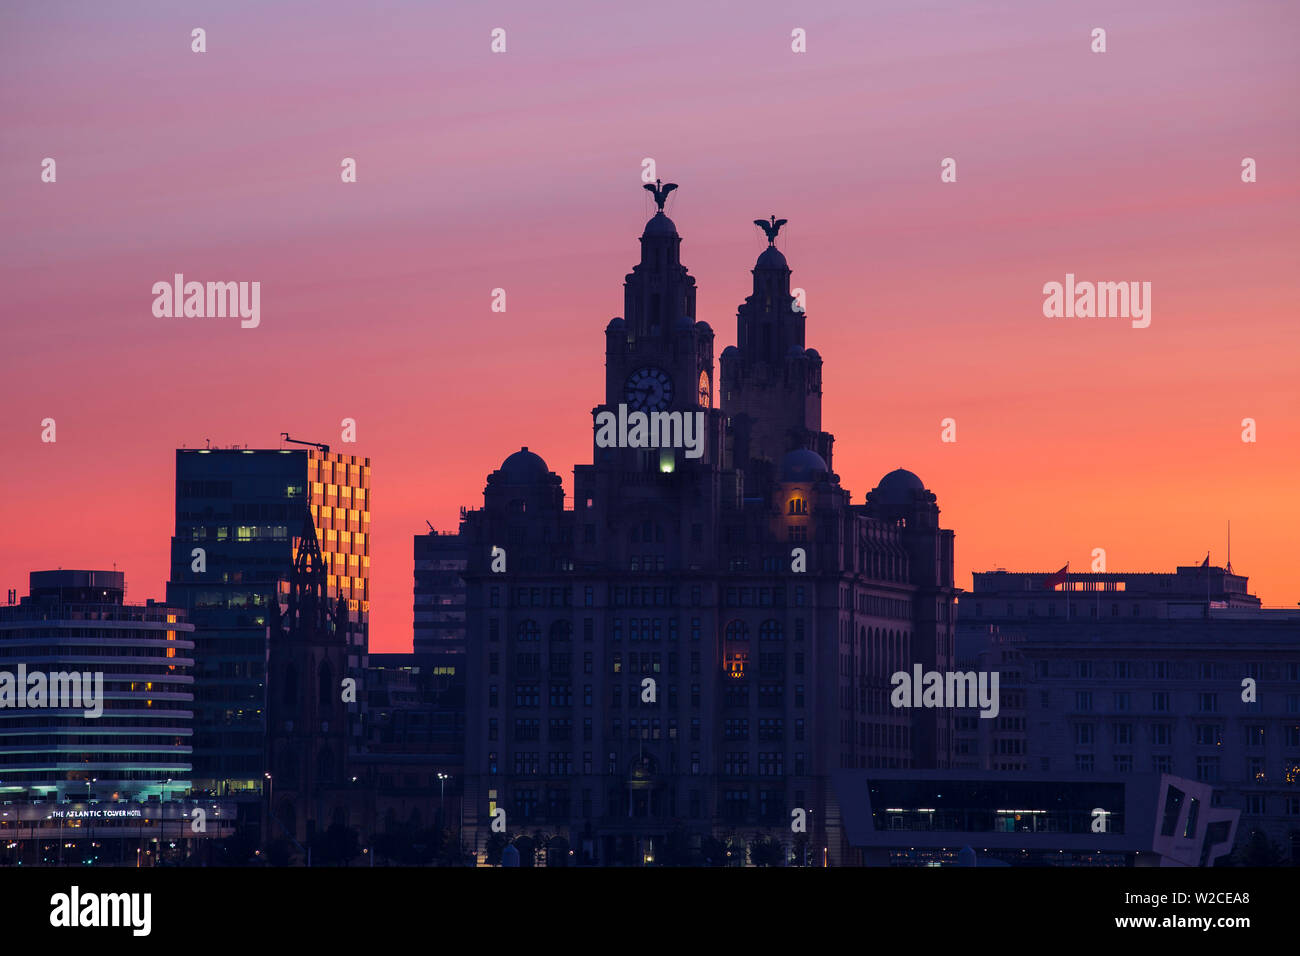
{"x": 1145, "y": 673}
{"x": 974, "y": 818}
{"x": 238, "y": 514}
{"x": 439, "y": 594}
{"x": 376, "y": 750}
{"x": 688, "y": 652}
{"x": 75, "y": 625}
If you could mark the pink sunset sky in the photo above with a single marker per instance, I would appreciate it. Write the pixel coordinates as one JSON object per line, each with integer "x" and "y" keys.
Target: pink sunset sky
{"x": 521, "y": 170}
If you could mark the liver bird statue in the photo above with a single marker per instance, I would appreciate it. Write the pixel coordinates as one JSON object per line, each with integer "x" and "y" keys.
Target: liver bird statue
{"x": 661, "y": 191}
{"x": 771, "y": 228}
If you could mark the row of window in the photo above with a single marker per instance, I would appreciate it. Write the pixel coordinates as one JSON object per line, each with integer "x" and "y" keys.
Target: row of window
{"x": 1207, "y": 702}
{"x": 648, "y": 596}
{"x": 643, "y": 629}
{"x": 1164, "y": 670}
{"x": 1207, "y": 735}
{"x": 528, "y": 763}
{"x": 528, "y": 695}
{"x": 1207, "y": 768}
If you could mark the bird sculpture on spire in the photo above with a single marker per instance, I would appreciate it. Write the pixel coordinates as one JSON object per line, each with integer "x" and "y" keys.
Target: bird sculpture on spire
{"x": 771, "y": 228}
{"x": 661, "y": 191}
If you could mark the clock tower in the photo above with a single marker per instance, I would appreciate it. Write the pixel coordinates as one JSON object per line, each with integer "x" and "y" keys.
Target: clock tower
{"x": 657, "y": 357}
{"x": 772, "y": 383}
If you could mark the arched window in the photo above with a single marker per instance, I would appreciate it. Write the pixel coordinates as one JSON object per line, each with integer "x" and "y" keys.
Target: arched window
{"x": 770, "y": 630}
{"x": 737, "y": 631}
{"x": 735, "y": 651}
{"x": 798, "y": 504}
{"x": 529, "y": 631}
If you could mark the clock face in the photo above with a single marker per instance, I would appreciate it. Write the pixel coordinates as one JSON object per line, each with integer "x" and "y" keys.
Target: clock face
{"x": 706, "y": 390}
{"x": 649, "y": 390}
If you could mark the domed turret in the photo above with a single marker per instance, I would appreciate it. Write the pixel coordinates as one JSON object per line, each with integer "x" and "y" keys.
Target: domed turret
{"x": 803, "y": 464}
{"x": 524, "y": 468}
{"x": 660, "y": 225}
{"x": 771, "y": 258}
{"x": 897, "y": 488}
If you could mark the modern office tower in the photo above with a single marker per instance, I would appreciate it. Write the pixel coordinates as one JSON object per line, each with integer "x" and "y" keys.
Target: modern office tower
{"x": 1178, "y": 673}
{"x": 238, "y": 516}
{"x": 439, "y": 594}
{"x": 112, "y": 721}
{"x": 686, "y": 654}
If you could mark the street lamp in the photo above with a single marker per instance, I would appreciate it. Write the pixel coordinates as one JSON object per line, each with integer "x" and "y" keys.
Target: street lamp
{"x": 442, "y": 792}
{"x": 266, "y": 836}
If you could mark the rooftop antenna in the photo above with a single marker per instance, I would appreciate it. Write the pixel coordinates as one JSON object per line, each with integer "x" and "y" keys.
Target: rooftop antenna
{"x": 431, "y": 530}
{"x": 1229, "y": 567}
{"x": 208, "y": 442}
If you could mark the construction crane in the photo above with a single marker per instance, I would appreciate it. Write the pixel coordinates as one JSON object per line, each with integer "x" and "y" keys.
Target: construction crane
{"x": 284, "y": 436}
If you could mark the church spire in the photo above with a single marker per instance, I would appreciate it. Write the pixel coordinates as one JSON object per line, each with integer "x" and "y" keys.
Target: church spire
{"x": 308, "y": 593}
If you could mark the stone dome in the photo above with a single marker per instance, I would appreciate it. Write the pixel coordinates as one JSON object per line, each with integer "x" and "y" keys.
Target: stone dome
{"x": 524, "y": 468}
{"x": 660, "y": 225}
{"x": 897, "y": 488}
{"x": 771, "y": 259}
{"x": 803, "y": 464}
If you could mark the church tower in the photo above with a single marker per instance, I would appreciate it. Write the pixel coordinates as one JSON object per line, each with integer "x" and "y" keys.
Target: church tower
{"x": 771, "y": 383}
{"x": 307, "y": 721}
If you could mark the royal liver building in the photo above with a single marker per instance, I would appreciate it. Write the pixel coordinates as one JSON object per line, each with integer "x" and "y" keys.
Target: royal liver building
{"x": 664, "y": 671}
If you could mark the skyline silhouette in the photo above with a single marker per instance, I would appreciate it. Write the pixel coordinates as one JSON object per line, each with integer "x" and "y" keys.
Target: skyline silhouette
{"x": 925, "y": 297}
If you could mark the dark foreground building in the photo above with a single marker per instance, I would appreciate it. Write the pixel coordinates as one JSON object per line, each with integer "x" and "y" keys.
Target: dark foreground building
{"x": 1180, "y": 673}
{"x": 97, "y": 774}
{"x": 957, "y": 818}
{"x": 686, "y": 654}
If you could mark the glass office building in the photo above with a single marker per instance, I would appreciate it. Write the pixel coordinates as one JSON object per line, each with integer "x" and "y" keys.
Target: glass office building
{"x": 238, "y": 513}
